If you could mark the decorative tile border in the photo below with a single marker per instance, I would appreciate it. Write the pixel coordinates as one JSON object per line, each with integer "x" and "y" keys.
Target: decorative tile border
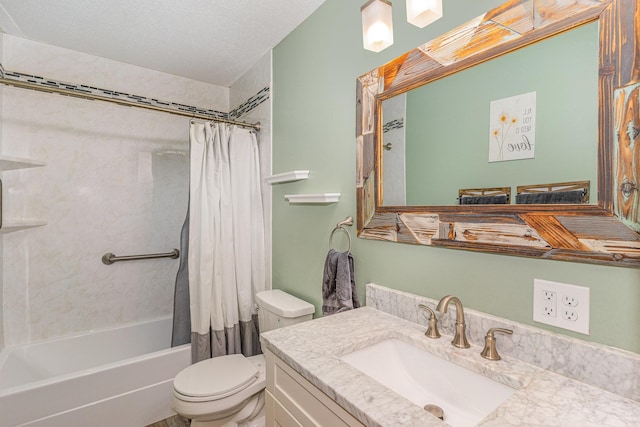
{"x": 250, "y": 104}
{"x": 393, "y": 124}
{"x": 601, "y": 366}
{"x": 81, "y": 90}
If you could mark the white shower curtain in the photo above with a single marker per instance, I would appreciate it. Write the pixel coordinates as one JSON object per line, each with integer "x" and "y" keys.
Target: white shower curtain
{"x": 226, "y": 259}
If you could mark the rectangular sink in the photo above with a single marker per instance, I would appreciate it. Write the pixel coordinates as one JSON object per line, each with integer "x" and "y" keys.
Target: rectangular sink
{"x": 464, "y": 396}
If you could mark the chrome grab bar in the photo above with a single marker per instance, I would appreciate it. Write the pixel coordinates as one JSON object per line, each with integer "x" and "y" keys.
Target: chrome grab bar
{"x": 110, "y": 258}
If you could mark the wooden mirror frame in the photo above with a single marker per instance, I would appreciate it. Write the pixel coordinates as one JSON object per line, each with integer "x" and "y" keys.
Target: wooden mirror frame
{"x": 602, "y": 233}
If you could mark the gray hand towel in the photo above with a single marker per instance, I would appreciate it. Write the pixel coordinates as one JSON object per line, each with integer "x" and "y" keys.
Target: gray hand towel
{"x": 339, "y": 291}
{"x": 551, "y": 197}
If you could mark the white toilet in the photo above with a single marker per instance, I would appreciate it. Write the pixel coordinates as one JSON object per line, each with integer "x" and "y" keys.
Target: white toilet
{"x": 228, "y": 391}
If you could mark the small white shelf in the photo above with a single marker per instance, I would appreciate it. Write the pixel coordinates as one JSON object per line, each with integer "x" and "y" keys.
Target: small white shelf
{"x": 313, "y": 198}
{"x": 9, "y": 226}
{"x": 8, "y": 163}
{"x": 287, "y": 177}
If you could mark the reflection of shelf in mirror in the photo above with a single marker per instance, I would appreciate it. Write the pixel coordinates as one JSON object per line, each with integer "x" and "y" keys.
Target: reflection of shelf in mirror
{"x": 287, "y": 177}
{"x": 10, "y": 162}
{"x": 313, "y": 198}
{"x": 9, "y": 226}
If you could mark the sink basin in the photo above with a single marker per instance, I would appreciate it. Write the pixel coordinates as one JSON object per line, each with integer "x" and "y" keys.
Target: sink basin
{"x": 426, "y": 379}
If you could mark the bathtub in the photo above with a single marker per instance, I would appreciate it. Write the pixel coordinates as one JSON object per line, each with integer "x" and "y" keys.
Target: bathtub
{"x": 115, "y": 377}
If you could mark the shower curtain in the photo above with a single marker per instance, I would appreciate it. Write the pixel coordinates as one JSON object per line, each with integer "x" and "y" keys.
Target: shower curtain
{"x": 225, "y": 255}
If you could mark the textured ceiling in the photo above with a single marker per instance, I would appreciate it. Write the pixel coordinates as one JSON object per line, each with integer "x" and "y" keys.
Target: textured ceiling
{"x": 213, "y": 41}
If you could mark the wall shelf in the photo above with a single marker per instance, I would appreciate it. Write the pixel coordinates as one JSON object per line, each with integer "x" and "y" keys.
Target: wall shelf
{"x": 10, "y": 163}
{"x": 313, "y": 198}
{"x": 287, "y": 177}
{"x": 10, "y": 226}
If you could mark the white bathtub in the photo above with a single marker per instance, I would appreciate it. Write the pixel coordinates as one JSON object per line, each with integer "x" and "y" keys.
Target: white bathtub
{"x": 117, "y": 377}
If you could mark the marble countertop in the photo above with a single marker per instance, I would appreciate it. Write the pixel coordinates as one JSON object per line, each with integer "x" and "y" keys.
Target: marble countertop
{"x": 544, "y": 398}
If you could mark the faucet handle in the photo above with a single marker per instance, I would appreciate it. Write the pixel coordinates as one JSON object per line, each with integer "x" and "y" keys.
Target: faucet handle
{"x": 490, "y": 351}
{"x": 432, "y": 329}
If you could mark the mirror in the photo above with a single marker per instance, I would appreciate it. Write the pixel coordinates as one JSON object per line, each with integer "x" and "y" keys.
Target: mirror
{"x": 600, "y": 227}
{"x": 449, "y": 120}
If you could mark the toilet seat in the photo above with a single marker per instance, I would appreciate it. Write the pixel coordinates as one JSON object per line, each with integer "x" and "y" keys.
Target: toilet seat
{"x": 215, "y": 378}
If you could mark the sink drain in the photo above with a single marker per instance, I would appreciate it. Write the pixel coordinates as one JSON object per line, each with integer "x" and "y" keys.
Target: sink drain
{"x": 435, "y": 410}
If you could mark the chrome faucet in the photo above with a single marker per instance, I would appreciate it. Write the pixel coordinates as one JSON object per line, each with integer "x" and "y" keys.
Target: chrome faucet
{"x": 460, "y": 338}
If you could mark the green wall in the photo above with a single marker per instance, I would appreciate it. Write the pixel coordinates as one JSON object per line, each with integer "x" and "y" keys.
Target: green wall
{"x": 447, "y": 125}
{"x": 314, "y": 74}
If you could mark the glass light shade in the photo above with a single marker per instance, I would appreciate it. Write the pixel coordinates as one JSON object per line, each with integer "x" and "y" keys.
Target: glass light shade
{"x": 423, "y": 12}
{"x": 377, "y": 25}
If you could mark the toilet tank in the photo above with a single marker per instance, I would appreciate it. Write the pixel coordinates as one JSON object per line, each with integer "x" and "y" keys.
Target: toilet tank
{"x": 277, "y": 309}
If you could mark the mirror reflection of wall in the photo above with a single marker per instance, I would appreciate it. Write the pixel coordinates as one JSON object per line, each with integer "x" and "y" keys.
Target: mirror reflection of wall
{"x": 393, "y": 153}
{"x": 447, "y": 123}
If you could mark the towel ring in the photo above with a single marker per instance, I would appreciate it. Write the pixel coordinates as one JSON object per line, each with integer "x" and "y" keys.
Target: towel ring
{"x": 340, "y": 226}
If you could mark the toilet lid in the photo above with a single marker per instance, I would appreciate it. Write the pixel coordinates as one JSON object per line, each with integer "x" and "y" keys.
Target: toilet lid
{"x": 217, "y": 377}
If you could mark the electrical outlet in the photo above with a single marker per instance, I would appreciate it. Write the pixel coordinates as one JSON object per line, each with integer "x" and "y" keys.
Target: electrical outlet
{"x": 569, "y": 301}
{"x": 569, "y": 315}
{"x": 549, "y": 305}
{"x": 562, "y": 305}
{"x": 549, "y": 310}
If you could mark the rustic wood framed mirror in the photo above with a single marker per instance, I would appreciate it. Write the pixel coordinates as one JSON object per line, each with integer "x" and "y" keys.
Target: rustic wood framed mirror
{"x": 606, "y": 232}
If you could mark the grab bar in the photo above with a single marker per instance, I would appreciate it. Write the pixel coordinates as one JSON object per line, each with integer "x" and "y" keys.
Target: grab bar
{"x": 110, "y": 258}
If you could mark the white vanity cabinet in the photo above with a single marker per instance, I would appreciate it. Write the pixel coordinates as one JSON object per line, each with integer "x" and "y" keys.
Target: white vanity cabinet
{"x": 291, "y": 400}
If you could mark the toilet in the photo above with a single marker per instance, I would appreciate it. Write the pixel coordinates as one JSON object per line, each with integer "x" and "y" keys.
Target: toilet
{"x": 228, "y": 391}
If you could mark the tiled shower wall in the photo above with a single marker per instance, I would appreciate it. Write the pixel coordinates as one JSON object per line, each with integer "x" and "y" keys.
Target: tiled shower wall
{"x": 116, "y": 180}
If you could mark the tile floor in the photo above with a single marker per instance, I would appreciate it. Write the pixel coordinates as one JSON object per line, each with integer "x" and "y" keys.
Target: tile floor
{"x": 175, "y": 421}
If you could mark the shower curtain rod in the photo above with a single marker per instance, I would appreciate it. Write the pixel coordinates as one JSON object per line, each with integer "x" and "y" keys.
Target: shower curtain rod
{"x": 93, "y": 97}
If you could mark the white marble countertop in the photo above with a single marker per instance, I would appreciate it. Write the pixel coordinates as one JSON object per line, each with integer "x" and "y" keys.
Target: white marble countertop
{"x": 543, "y": 398}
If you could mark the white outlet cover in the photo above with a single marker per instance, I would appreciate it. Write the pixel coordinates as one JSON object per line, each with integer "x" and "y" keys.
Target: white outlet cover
{"x": 574, "y": 316}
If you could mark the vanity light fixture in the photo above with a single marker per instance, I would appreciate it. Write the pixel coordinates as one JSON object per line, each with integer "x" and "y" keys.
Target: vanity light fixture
{"x": 423, "y": 12}
{"x": 377, "y": 25}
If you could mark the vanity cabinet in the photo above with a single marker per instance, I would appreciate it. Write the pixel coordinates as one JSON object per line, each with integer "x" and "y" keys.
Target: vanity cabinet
{"x": 291, "y": 400}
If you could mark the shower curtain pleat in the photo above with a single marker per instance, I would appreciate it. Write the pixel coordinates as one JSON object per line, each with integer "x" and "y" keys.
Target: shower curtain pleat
{"x": 248, "y": 231}
{"x": 181, "y": 314}
{"x": 226, "y": 241}
{"x": 203, "y": 197}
